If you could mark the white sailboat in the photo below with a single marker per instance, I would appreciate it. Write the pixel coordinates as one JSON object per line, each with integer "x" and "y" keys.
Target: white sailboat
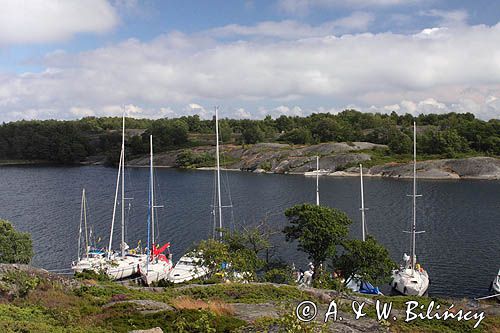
{"x": 318, "y": 171}
{"x": 125, "y": 263}
{"x": 189, "y": 265}
{"x": 91, "y": 259}
{"x": 411, "y": 278}
{"x": 159, "y": 265}
{"x": 495, "y": 286}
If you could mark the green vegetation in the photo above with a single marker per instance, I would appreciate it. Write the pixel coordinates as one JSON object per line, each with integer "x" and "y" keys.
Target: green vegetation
{"x": 15, "y": 247}
{"x": 446, "y": 135}
{"x": 319, "y": 230}
{"x": 368, "y": 260}
{"x": 52, "y": 306}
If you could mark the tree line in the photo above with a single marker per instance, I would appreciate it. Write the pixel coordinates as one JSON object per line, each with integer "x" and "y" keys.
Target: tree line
{"x": 445, "y": 135}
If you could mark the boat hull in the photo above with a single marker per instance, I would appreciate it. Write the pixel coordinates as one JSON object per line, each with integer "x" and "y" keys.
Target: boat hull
{"x": 409, "y": 282}
{"x": 155, "y": 271}
{"x": 187, "y": 269}
{"x": 124, "y": 267}
{"x": 495, "y": 287}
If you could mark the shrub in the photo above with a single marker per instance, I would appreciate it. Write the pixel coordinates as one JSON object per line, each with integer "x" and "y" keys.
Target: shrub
{"x": 15, "y": 247}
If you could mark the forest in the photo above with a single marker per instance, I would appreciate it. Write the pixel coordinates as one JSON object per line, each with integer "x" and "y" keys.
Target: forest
{"x": 448, "y": 135}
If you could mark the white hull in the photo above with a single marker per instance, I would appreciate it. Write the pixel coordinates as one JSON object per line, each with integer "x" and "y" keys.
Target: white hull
{"x": 319, "y": 173}
{"x": 124, "y": 267}
{"x": 155, "y": 271}
{"x": 409, "y": 282}
{"x": 187, "y": 269}
{"x": 495, "y": 287}
{"x": 88, "y": 264}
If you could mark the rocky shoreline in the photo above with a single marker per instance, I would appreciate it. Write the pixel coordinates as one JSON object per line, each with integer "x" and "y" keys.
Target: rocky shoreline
{"x": 337, "y": 159}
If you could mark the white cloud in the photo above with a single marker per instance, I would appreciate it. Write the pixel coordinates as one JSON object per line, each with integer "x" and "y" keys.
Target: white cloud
{"x": 39, "y": 21}
{"x": 430, "y": 69}
{"x": 289, "y": 29}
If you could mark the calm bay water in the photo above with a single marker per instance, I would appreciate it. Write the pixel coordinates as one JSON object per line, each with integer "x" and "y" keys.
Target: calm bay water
{"x": 460, "y": 247}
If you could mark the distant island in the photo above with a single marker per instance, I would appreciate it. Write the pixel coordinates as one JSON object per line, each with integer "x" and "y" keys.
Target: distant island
{"x": 452, "y": 145}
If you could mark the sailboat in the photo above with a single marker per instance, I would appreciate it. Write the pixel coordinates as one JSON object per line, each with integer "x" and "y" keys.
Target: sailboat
{"x": 158, "y": 265}
{"x": 91, "y": 259}
{"x": 125, "y": 262}
{"x": 495, "y": 286}
{"x": 411, "y": 278}
{"x": 318, "y": 171}
{"x": 190, "y": 266}
{"x": 355, "y": 283}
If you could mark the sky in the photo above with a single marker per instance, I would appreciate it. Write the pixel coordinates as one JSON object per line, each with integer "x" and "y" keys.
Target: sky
{"x": 67, "y": 59}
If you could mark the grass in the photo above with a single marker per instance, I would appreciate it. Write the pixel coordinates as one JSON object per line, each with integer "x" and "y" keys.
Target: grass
{"x": 216, "y": 306}
{"x": 47, "y": 306}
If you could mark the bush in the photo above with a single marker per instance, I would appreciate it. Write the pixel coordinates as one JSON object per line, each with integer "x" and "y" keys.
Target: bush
{"x": 279, "y": 275}
{"x": 15, "y": 247}
{"x": 188, "y": 159}
{"x": 297, "y": 136}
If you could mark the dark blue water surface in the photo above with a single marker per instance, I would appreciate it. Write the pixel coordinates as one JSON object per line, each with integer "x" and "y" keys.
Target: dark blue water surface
{"x": 460, "y": 247}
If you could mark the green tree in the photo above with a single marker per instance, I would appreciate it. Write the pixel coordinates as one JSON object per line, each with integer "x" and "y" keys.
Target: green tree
{"x": 252, "y": 134}
{"x": 400, "y": 143}
{"x": 297, "y": 136}
{"x": 15, "y": 247}
{"x": 225, "y": 131}
{"x": 448, "y": 143}
{"x": 369, "y": 260}
{"x": 318, "y": 230}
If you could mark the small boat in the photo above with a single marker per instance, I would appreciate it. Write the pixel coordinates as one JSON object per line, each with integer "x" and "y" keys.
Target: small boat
{"x": 123, "y": 263}
{"x": 355, "y": 283}
{"x": 187, "y": 268}
{"x": 92, "y": 258}
{"x": 359, "y": 286}
{"x": 318, "y": 171}
{"x": 495, "y": 285}
{"x": 158, "y": 265}
{"x": 411, "y": 278}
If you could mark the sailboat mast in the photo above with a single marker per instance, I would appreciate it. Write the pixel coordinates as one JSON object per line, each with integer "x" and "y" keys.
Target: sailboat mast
{"x": 413, "y": 229}
{"x": 80, "y": 228}
{"x": 84, "y": 201}
{"x": 219, "y": 205}
{"x": 363, "y": 227}
{"x": 123, "y": 185}
{"x": 317, "y": 180}
{"x": 114, "y": 207}
{"x": 152, "y": 190}
{"x": 150, "y": 204}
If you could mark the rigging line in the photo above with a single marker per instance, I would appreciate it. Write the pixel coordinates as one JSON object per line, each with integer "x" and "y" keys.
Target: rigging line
{"x": 214, "y": 203}
{"x": 228, "y": 189}
{"x": 159, "y": 196}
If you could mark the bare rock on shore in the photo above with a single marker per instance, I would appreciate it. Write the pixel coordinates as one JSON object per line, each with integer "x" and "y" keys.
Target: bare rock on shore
{"x": 335, "y": 157}
{"x": 466, "y": 168}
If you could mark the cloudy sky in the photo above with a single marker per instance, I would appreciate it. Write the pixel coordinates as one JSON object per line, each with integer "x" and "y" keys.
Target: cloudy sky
{"x": 66, "y": 59}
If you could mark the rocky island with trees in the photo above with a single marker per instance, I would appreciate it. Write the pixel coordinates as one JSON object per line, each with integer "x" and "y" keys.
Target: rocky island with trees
{"x": 452, "y": 145}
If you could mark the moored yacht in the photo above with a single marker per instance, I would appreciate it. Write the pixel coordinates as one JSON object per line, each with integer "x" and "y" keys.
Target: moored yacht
{"x": 92, "y": 258}
{"x": 158, "y": 265}
{"x": 411, "y": 278}
{"x": 189, "y": 267}
{"x": 495, "y": 285}
{"x": 123, "y": 263}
